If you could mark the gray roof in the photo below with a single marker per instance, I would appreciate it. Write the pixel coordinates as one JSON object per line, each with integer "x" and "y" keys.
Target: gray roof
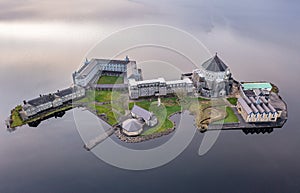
{"x": 87, "y": 67}
{"x": 260, "y": 109}
{"x": 244, "y": 105}
{"x": 215, "y": 64}
{"x": 42, "y": 100}
{"x": 263, "y": 99}
{"x": 254, "y": 108}
{"x": 131, "y": 125}
{"x": 140, "y": 112}
{"x": 267, "y": 110}
{"x": 249, "y": 93}
{"x": 65, "y": 92}
{"x": 252, "y": 100}
{"x": 247, "y": 100}
{"x": 271, "y": 108}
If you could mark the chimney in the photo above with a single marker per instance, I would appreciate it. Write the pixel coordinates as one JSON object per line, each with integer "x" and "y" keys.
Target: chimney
{"x": 24, "y": 101}
{"x": 40, "y": 95}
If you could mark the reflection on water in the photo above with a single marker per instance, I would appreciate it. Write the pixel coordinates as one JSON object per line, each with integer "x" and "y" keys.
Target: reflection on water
{"x": 36, "y": 123}
{"x": 52, "y": 158}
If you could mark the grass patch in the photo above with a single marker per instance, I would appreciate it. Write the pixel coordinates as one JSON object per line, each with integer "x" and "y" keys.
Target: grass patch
{"x": 162, "y": 112}
{"x": 111, "y": 102}
{"x": 16, "y": 119}
{"x": 164, "y": 123}
{"x": 274, "y": 89}
{"x": 107, "y": 110}
{"x": 230, "y": 118}
{"x": 110, "y": 80}
{"x": 99, "y": 96}
{"x": 103, "y": 96}
{"x": 232, "y": 100}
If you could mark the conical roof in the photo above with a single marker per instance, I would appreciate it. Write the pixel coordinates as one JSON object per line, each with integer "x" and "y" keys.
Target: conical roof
{"x": 132, "y": 125}
{"x": 215, "y": 64}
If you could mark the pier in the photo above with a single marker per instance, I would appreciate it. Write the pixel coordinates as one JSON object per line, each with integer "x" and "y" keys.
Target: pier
{"x": 100, "y": 138}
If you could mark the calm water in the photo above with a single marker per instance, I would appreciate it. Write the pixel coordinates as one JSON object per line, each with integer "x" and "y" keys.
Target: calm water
{"x": 51, "y": 158}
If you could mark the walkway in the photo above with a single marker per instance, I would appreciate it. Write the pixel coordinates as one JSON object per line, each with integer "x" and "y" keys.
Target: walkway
{"x": 94, "y": 142}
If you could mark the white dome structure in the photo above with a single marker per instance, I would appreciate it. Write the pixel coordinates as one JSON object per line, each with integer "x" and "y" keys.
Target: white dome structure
{"x": 132, "y": 127}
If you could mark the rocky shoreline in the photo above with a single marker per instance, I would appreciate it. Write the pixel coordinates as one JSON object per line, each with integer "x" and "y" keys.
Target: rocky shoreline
{"x": 138, "y": 139}
{"x": 141, "y": 138}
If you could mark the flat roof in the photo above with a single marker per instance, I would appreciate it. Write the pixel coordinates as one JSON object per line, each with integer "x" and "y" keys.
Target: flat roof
{"x": 134, "y": 82}
{"x": 256, "y": 85}
{"x": 185, "y": 80}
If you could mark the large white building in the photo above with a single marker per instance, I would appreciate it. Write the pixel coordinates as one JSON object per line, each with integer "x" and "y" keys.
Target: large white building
{"x": 158, "y": 87}
{"x": 213, "y": 79}
{"x": 96, "y": 67}
{"x": 46, "y": 102}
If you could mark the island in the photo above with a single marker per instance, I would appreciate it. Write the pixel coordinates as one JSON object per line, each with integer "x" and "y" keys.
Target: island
{"x": 139, "y": 110}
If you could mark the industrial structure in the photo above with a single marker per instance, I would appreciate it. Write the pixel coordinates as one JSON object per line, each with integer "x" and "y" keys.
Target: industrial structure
{"x": 255, "y": 104}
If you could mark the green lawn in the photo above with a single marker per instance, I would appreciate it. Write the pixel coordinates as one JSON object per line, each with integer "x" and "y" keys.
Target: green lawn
{"x": 162, "y": 112}
{"x": 110, "y": 80}
{"x": 99, "y": 96}
{"x": 103, "y": 96}
{"x": 230, "y": 118}
{"x": 109, "y": 97}
{"x": 232, "y": 101}
{"x": 16, "y": 118}
{"x": 107, "y": 110}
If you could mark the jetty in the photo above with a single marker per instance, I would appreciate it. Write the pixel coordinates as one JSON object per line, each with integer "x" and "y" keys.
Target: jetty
{"x": 100, "y": 138}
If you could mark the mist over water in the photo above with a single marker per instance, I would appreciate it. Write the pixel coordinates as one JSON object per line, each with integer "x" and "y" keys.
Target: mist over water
{"x": 39, "y": 56}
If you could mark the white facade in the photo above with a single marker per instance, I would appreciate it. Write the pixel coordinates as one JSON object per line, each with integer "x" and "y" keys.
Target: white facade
{"x": 213, "y": 79}
{"x": 256, "y": 112}
{"x": 158, "y": 87}
{"x": 90, "y": 69}
{"x": 31, "y": 108}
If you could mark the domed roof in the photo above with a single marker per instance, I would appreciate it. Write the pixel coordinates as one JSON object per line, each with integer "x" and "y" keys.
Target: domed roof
{"x": 215, "y": 64}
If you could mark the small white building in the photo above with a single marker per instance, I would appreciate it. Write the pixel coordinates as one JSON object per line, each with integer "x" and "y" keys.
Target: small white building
{"x": 132, "y": 127}
{"x": 140, "y": 113}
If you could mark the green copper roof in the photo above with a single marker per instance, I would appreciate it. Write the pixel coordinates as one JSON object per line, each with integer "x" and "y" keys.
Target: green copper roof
{"x": 256, "y": 85}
